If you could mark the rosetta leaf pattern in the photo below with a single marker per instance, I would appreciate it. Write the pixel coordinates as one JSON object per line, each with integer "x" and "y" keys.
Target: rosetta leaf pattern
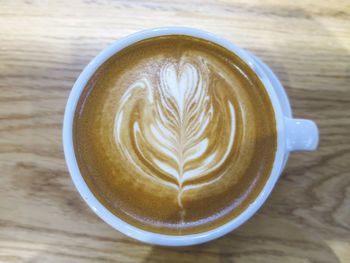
{"x": 171, "y": 138}
{"x": 179, "y": 123}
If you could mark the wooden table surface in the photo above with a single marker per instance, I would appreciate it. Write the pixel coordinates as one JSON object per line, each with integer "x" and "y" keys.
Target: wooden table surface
{"x": 44, "y": 45}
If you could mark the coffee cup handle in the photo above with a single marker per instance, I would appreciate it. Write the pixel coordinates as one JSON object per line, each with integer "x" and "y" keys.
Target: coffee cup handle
{"x": 302, "y": 135}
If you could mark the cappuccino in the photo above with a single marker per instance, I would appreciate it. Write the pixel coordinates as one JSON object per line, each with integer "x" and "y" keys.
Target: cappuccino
{"x": 175, "y": 135}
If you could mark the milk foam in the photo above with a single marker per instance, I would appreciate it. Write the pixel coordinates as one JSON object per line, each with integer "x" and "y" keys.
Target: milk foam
{"x": 174, "y": 137}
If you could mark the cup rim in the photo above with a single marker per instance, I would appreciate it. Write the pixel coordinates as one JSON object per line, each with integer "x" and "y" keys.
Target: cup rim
{"x": 113, "y": 220}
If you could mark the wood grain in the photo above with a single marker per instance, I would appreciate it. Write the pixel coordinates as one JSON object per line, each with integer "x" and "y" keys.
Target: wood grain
{"x": 44, "y": 45}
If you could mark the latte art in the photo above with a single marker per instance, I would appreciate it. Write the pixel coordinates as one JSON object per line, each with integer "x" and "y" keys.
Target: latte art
{"x": 173, "y": 133}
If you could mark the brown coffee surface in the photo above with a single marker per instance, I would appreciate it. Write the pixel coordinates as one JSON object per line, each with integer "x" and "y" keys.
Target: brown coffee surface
{"x": 175, "y": 135}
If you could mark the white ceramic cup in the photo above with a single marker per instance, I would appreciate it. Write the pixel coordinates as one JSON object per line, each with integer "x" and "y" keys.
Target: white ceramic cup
{"x": 292, "y": 135}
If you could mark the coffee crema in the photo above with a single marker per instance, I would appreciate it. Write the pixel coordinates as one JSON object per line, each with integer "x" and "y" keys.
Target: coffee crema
{"x": 175, "y": 135}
